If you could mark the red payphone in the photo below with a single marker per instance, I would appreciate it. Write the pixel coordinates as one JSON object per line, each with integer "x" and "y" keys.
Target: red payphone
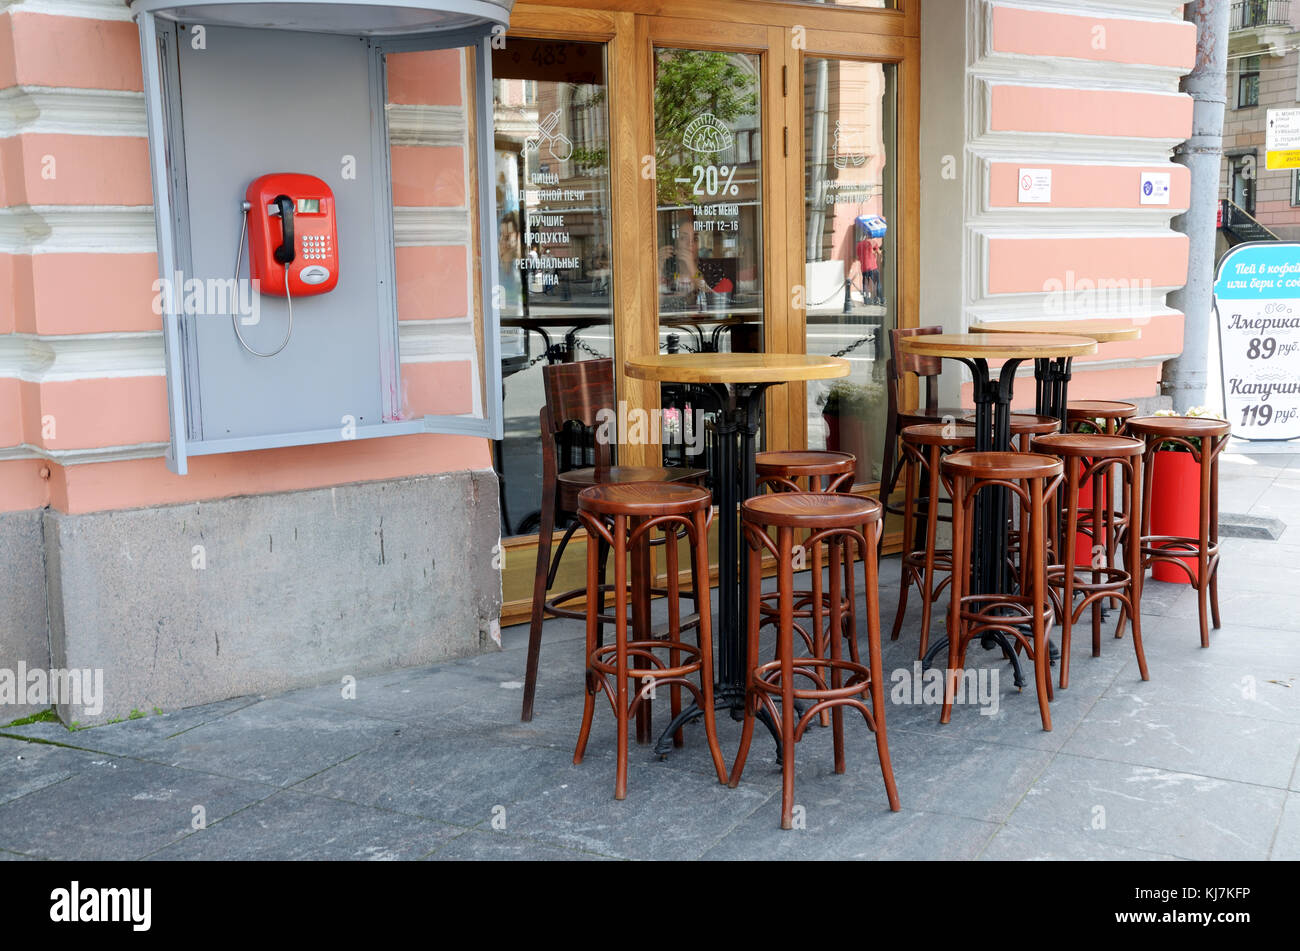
{"x": 292, "y": 241}
{"x": 292, "y": 231}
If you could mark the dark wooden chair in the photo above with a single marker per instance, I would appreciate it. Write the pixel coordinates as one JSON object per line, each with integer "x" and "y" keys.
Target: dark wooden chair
{"x": 575, "y": 458}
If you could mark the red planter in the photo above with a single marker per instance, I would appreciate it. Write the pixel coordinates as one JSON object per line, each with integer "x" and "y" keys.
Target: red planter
{"x": 1175, "y": 506}
{"x": 1083, "y": 544}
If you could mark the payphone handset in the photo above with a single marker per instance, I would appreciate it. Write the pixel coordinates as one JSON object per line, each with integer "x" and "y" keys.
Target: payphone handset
{"x": 291, "y": 229}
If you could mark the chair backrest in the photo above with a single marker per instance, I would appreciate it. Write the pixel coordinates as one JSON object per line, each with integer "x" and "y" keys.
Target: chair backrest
{"x": 927, "y": 368}
{"x": 575, "y": 395}
{"x": 576, "y": 392}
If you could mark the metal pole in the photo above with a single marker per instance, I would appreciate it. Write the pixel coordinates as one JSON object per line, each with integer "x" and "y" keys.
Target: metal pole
{"x": 1207, "y": 84}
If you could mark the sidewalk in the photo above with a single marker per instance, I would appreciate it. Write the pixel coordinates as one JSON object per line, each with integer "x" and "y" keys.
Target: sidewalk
{"x": 1198, "y": 763}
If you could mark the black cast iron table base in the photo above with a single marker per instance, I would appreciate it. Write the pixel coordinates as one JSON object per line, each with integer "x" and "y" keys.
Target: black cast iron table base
{"x": 734, "y": 480}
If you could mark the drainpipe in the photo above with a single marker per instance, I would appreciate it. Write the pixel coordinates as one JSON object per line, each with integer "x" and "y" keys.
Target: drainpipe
{"x": 1207, "y": 84}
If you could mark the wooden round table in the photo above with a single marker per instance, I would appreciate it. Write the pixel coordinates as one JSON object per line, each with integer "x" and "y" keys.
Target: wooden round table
{"x": 993, "y": 396}
{"x": 740, "y": 381}
{"x": 1052, "y": 374}
{"x": 989, "y": 572}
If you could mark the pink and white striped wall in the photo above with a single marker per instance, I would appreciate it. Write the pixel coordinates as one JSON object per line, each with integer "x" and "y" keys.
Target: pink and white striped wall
{"x": 83, "y": 408}
{"x": 1089, "y": 90}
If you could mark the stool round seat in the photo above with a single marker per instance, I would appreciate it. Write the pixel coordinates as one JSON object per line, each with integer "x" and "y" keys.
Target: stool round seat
{"x": 1002, "y": 465}
{"x": 643, "y": 498}
{"x": 1031, "y": 424}
{"x": 805, "y": 463}
{"x": 1088, "y": 445}
{"x": 1100, "y": 409}
{"x": 811, "y": 510}
{"x": 959, "y": 436}
{"x": 1184, "y": 426}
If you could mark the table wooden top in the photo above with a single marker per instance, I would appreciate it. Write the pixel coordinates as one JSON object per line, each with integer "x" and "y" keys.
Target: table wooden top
{"x": 1016, "y": 346}
{"x": 1102, "y": 331}
{"x": 735, "y": 367}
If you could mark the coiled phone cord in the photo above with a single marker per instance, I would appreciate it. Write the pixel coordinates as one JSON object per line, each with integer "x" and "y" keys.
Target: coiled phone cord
{"x": 234, "y": 317}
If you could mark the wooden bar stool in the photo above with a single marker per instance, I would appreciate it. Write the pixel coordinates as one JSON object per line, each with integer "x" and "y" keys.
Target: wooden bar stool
{"x": 1109, "y": 418}
{"x": 1033, "y": 480}
{"x": 623, "y": 516}
{"x": 1025, "y": 426}
{"x": 836, "y": 682}
{"x": 576, "y": 393}
{"x": 1094, "y": 457}
{"x": 1205, "y": 438}
{"x": 1112, "y": 415}
{"x": 923, "y": 447}
{"x": 810, "y": 470}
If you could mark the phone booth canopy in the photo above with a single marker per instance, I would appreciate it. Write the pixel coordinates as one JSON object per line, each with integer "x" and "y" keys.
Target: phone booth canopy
{"x": 350, "y": 17}
{"x": 381, "y": 293}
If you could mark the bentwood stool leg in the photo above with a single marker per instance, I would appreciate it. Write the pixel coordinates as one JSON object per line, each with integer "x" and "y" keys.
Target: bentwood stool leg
{"x": 1133, "y": 561}
{"x": 1214, "y": 529}
{"x": 1099, "y": 460}
{"x": 753, "y": 697}
{"x": 956, "y": 592}
{"x": 1037, "y": 515}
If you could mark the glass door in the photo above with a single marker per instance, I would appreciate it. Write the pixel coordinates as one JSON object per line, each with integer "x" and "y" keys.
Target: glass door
{"x": 709, "y": 262}
{"x": 850, "y": 249}
{"x": 551, "y": 111}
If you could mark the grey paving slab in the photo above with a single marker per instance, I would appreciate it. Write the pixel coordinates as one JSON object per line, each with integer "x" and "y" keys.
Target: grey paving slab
{"x": 1276, "y": 610}
{"x": 841, "y": 825}
{"x": 1017, "y": 844}
{"x": 119, "y": 809}
{"x": 478, "y": 846}
{"x": 268, "y": 742}
{"x": 290, "y": 826}
{"x": 27, "y": 767}
{"x": 131, "y": 736}
{"x": 951, "y": 775}
{"x": 1230, "y": 677}
{"x": 457, "y": 779}
{"x": 1286, "y": 843}
{"x": 1130, "y": 729}
{"x": 667, "y": 815}
{"x": 422, "y": 696}
{"x": 1158, "y": 810}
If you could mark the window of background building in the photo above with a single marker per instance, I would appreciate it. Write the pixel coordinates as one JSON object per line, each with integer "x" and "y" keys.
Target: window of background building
{"x": 1295, "y": 188}
{"x": 1248, "y": 83}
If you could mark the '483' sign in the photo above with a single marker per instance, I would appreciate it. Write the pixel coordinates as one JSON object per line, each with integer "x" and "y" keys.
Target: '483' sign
{"x": 1257, "y": 298}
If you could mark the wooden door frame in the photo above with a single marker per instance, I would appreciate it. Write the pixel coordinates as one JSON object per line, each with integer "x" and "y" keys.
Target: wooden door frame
{"x": 631, "y": 29}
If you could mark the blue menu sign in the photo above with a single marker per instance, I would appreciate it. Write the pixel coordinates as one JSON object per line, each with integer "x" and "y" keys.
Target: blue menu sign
{"x": 1257, "y": 299}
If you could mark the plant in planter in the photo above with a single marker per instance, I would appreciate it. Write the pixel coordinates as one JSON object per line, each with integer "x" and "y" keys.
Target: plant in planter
{"x": 1176, "y": 495}
{"x": 846, "y": 408}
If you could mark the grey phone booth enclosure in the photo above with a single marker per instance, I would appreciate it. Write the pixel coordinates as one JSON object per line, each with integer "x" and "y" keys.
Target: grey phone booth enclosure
{"x": 236, "y": 89}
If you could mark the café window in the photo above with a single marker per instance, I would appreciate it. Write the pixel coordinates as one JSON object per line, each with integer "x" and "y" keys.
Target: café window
{"x": 551, "y": 109}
